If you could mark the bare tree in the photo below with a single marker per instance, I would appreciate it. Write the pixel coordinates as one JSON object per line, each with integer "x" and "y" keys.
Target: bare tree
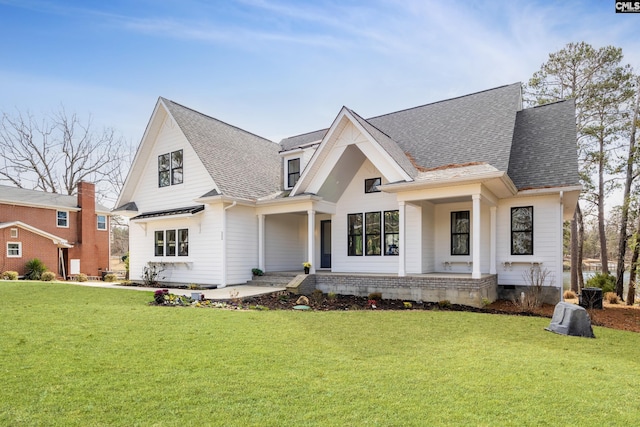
{"x": 55, "y": 152}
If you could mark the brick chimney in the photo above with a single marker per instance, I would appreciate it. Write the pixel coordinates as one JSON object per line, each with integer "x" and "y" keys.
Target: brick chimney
{"x": 87, "y": 227}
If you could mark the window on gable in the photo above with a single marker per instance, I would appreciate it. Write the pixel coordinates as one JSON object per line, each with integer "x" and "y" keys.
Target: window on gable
{"x": 102, "y": 222}
{"x": 460, "y": 233}
{"x": 391, "y": 233}
{"x": 354, "y": 234}
{"x": 14, "y": 233}
{"x": 293, "y": 172}
{"x": 371, "y": 185}
{"x": 170, "y": 169}
{"x": 14, "y": 250}
{"x": 176, "y": 167}
{"x": 522, "y": 230}
{"x": 159, "y": 243}
{"x": 372, "y": 233}
{"x": 163, "y": 170}
{"x": 62, "y": 219}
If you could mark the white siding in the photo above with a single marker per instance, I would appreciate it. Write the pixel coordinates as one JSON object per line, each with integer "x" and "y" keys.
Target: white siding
{"x": 428, "y": 238}
{"x": 413, "y": 238}
{"x": 546, "y": 240}
{"x": 286, "y": 242}
{"x": 242, "y": 244}
{"x": 354, "y": 200}
{"x": 443, "y": 239}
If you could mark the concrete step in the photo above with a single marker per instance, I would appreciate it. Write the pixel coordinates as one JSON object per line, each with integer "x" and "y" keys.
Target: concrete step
{"x": 272, "y": 280}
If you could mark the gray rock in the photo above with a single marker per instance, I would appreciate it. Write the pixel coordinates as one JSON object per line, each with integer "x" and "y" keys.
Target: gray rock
{"x": 571, "y": 319}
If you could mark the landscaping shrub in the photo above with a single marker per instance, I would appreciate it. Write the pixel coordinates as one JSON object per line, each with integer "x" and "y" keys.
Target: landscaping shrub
{"x": 606, "y": 282}
{"x": 611, "y": 298}
{"x": 159, "y": 295}
{"x": 376, "y": 296}
{"x": 82, "y": 277}
{"x": 257, "y": 272}
{"x": 48, "y": 276}
{"x": 317, "y": 296}
{"x": 569, "y": 295}
{"x": 110, "y": 277}
{"x": 34, "y": 269}
{"x": 151, "y": 274}
{"x": 9, "y": 275}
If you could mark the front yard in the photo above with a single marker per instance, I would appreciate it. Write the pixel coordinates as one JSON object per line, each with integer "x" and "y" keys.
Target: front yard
{"x": 71, "y": 355}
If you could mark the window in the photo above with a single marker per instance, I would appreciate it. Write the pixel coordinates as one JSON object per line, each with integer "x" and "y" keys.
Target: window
{"x": 354, "y": 230}
{"x": 371, "y": 185}
{"x": 460, "y": 233}
{"x": 63, "y": 219}
{"x": 170, "y": 169}
{"x": 14, "y": 250}
{"x": 522, "y": 230}
{"x": 293, "y": 172}
{"x": 159, "y": 243}
{"x": 102, "y": 222}
{"x": 172, "y": 242}
{"x": 391, "y": 233}
{"x": 372, "y": 235}
{"x": 14, "y": 233}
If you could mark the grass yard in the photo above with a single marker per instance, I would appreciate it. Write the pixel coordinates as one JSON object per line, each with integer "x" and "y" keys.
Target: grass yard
{"x": 77, "y": 356}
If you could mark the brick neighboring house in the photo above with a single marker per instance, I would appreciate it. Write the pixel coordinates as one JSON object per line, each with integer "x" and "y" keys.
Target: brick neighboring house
{"x": 70, "y": 234}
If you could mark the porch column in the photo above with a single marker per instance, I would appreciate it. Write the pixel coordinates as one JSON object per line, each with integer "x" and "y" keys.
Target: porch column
{"x": 401, "y": 239}
{"x": 261, "y": 242}
{"x": 493, "y": 231}
{"x": 311, "y": 240}
{"x": 475, "y": 274}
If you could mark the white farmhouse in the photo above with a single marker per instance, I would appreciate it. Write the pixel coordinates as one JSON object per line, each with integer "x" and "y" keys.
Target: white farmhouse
{"x": 452, "y": 200}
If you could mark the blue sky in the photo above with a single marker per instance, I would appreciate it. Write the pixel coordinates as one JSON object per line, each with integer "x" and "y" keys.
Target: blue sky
{"x": 277, "y": 67}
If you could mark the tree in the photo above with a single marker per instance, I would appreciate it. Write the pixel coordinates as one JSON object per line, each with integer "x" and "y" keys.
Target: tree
{"x": 597, "y": 82}
{"x": 55, "y": 152}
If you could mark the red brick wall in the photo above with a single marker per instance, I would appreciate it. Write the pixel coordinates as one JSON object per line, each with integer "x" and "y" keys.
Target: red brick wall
{"x": 33, "y": 246}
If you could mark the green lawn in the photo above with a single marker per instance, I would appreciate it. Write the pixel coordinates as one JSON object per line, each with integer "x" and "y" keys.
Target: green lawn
{"x": 71, "y": 355}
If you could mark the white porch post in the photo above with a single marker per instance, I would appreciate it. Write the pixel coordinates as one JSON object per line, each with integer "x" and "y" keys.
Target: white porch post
{"x": 401, "y": 239}
{"x": 493, "y": 231}
{"x": 311, "y": 240}
{"x": 261, "y": 242}
{"x": 475, "y": 274}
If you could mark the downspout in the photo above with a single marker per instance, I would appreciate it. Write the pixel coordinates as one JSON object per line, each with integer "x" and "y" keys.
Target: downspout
{"x": 224, "y": 244}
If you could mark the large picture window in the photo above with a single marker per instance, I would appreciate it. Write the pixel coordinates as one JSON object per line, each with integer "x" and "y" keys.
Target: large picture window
{"x": 170, "y": 169}
{"x": 460, "y": 233}
{"x": 354, "y": 231}
{"x": 391, "y": 233}
{"x": 522, "y": 230}
{"x": 293, "y": 172}
{"x": 372, "y": 235}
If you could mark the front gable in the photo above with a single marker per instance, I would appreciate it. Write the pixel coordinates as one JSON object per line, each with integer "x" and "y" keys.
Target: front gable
{"x": 341, "y": 153}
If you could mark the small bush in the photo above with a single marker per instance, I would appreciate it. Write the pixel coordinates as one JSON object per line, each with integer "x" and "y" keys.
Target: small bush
{"x": 486, "y": 302}
{"x": 127, "y": 283}
{"x": 82, "y": 277}
{"x": 48, "y": 276}
{"x": 110, "y": 277}
{"x": 34, "y": 269}
{"x": 569, "y": 295}
{"x": 376, "y": 296}
{"x": 159, "y": 295}
{"x": 9, "y": 275}
{"x": 445, "y": 303}
{"x": 317, "y": 296}
{"x": 257, "y": 272}
{"x": 331, "y": 296}
{"x": 407, "y": 304}
{"x": 194, "y": 287}
{"x": 606, "y": 282}
{"x": 611, "y": 298}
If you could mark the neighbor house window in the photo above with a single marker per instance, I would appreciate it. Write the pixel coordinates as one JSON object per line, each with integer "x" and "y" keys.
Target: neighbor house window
{"x": 293, "y": 172}
{"x": 159, "y": 243}
{"x": 102, "y": 222}
{"x": 183, "y": 242}
{"x": 391, "y": 233}
{"x": 170, "y": 169}
{"x": 371, "y": 185}
{"x": 63, "y": 219}
{"x": 460, "y": 233}
{"x": 14, "y": 250}
{"x": 372, "y": 233}
{"x": 522, "y": 230}
{"x": 354, "y": 234}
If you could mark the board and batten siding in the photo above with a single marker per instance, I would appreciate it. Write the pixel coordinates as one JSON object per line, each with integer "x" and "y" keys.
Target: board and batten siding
{"x": 354, "y": 200}
{"x": 547, "y": 239}
{"x": 286, "y": 242}
{"x": 428, "y": 237}
{"x": 241, "y": 244}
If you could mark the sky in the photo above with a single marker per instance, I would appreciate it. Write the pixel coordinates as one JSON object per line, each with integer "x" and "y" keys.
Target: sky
{"x": 279, "y": 68}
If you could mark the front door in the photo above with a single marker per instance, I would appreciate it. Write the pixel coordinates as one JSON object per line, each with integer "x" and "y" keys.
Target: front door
{"x": 325, "y": 244}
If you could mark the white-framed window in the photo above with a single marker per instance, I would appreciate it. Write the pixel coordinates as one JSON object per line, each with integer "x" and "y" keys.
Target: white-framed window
{"x": 14, "y": 250}
{"x": 62, "y": 219}
{"x": 14, "y": 233}
{"x": 102, "y": 222}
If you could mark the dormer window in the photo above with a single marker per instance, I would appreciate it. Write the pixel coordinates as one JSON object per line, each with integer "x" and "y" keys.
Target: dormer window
{"x": 293, "y": 172}
{"x": 170, "y": 169}
{"x": 371, "y": 185}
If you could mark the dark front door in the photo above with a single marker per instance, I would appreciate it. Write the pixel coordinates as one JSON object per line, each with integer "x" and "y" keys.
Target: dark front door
{"x": 325, "y": 244}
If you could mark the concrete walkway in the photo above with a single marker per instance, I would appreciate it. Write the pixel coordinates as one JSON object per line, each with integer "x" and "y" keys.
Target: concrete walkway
{"x": 228, "y": 292}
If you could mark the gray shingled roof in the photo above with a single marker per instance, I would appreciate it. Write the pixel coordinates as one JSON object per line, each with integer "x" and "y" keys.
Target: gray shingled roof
{"x": 40, "y": 198}
{"x": 242, "y": 164}
{"x": 544, "y": 152}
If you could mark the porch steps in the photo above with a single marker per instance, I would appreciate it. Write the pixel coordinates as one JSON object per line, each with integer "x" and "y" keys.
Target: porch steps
{"x": 276, "y": 279}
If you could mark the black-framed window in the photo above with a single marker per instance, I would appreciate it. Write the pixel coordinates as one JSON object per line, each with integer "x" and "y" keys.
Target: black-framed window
{"x": 354, "y": 234}
{"x": 176, "y": 167}
{"x": 371, "y": 185}
{"x": 183, "y": 242}
{"x": 293, "y": 172}
{"x": 522, "y": 230}
{"x": 372, "y": 233}
{"x": 391, "y": 233}
{"x": 159, "y": 243}
{"x": 170, "y": 168}
{"x": 171, "y": 242}
{"x": 460, "y": 233}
